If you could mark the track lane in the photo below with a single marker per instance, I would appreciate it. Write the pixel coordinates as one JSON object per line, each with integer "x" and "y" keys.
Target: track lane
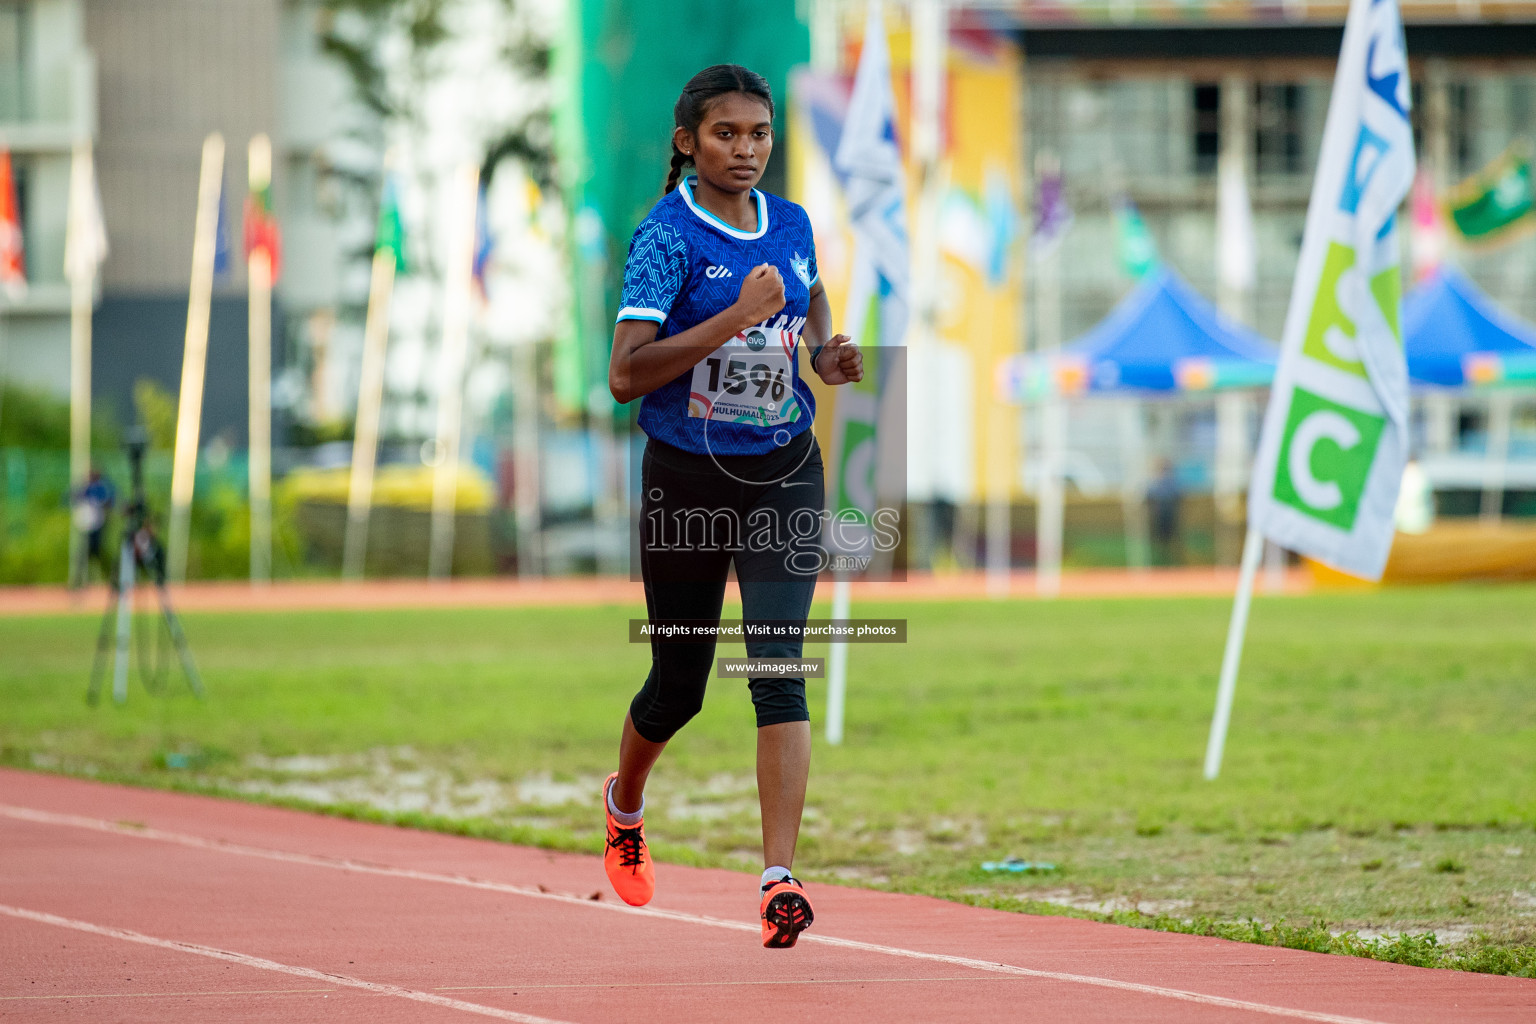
{"x": 477, "y": 909}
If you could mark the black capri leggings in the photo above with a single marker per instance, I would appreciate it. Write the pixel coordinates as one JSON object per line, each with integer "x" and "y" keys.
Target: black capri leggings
{"x": 700, "y": 513}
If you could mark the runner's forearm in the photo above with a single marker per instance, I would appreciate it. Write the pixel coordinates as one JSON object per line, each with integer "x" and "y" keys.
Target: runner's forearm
{"x": 818, "y": 324}
{"x": 640, "y": 365}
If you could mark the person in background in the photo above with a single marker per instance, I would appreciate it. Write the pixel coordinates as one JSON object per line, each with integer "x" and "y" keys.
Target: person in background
{"x": 1164, "y": 497}
{"x": 90, "y": 505}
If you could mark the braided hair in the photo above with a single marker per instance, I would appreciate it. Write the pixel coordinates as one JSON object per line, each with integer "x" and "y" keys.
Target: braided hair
{"x": 713, "y": 81}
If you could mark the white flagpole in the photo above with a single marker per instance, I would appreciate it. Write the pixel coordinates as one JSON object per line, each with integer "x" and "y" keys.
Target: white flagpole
{"x": 1051, "y": 506}
{"x": 189, "y": 411}
{"x": 526, "y": 471}
{"x": 1496, "y": 459}
{"x": 370, "y": 395}
{"x": 1253, "y": 547}
{"x": 1237, "y": 257}
{"x": 81, "y": 295}
{"x": 450, "y": 396}
{"x": 1050, "y": 500}
{"x": 873, "y": 164}
{"x": 259, "y": 332}
{"x": 837, "y": 664}
{"x": 81, "y": 260}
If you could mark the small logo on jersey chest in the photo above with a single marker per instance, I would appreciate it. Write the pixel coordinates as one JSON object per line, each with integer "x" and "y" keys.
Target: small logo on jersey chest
{"x": 802, "y": 268}
{"x": 717, "y": 271}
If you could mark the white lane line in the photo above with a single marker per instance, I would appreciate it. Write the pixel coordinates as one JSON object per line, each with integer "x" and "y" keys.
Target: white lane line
{"x": 343, "y": 864}
{"x": 272, "y": 965}
{"x": 223, "y": 994}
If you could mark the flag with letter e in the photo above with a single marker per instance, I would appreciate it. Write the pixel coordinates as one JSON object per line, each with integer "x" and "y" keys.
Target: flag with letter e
{"x": 1335, "y": 435}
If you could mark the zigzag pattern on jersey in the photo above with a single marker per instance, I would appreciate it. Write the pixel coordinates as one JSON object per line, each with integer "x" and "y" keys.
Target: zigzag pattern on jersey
{"x": 656, "y": 268}
{"x": 697, "y": 297}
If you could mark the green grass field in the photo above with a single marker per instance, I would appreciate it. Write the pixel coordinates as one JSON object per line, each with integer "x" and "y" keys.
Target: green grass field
{"x": 1380, "y": 774}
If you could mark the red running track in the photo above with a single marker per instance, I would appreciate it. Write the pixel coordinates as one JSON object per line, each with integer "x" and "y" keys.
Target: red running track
{"x": 120, "y": 905}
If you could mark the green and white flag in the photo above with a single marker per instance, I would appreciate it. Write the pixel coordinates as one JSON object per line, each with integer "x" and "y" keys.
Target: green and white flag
{"x": 1496, "y": 199}
{"x": 390, "y": 236}
{"x": 1135, "y": 245}
{"x": 1335, "y": 436}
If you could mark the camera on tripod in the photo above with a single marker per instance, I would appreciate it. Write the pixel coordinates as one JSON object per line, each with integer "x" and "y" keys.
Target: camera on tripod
{"x": 140, "y": 555}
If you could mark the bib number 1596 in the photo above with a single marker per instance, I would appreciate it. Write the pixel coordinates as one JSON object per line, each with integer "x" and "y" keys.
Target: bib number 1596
{"x": 749, "y": 379}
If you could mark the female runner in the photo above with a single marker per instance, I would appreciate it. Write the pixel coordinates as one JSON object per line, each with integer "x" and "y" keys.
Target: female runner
{"x": 719, "y": 289}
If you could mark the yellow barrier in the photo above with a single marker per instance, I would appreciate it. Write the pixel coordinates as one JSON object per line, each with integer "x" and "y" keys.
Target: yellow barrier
{"x": 1449, "y": 552}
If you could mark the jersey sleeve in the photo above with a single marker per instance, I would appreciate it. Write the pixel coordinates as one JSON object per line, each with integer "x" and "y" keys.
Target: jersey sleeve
{"x": 810, "y": 242}
{"x": 654, "y": 273}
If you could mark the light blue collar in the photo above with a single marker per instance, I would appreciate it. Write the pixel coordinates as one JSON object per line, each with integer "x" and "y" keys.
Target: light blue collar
{"x": 686, "y": 188}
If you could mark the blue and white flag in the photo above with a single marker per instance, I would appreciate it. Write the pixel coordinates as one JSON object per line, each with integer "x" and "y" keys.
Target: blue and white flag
{"x": 869, "y": 163}
{"x": 1335, "y": 437}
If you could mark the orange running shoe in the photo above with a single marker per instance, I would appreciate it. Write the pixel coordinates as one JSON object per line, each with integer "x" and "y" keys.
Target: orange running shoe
{"x": 627, "y": 860}
{"x": 786, "y": 913}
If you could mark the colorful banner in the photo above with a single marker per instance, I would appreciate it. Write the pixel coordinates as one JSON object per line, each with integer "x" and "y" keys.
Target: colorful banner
{"x": 1335, "y": 435}
{"x": 1496, "y": 200}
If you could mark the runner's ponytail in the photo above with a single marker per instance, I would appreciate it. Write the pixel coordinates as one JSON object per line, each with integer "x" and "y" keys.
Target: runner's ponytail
{"x": 679, "y": 161}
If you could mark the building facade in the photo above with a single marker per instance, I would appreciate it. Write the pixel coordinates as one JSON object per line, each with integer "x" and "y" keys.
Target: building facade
{"x": 1144, "y": 112}
{"x": 47, "y": 103}
{"x": 146, "y": 81}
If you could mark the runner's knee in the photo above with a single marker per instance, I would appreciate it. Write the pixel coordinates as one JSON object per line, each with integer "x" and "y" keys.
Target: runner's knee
{"x": 779, "y": 700}
{"x": 661, "y": 708}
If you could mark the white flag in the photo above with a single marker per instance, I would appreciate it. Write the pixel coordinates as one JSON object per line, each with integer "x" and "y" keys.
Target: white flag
{"x": 85, "y": 234}
{"x": 1237, "y": 253}
{"x": 870, "y": 162}
{"x": 868, "y": 158}
{"x": 1335, "y": 436}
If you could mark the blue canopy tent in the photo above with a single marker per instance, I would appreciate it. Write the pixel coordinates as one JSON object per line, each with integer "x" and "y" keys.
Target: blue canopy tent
{"x": 1162, "y": 337}
{"x": 1456, "y": 337}
{"x": 1166, "y": 338}
{"x": 1454, "y": 334}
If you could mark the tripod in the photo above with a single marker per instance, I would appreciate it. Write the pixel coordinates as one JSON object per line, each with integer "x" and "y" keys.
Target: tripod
{"x": 141, "y": 554}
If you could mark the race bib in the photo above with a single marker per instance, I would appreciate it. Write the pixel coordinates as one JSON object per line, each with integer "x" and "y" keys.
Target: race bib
{"x": 749, "y": 379}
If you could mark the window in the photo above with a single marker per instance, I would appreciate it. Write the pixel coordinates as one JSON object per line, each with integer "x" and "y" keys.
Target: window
{"x": 1205, "y": 125}
{"x": 1279, "y": 123}
{"x": 1461, "y": 120}
{"x": 1461, "y": 125}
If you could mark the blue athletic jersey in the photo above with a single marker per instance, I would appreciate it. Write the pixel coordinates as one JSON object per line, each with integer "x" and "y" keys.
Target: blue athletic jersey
{"x": 686, "y": 265}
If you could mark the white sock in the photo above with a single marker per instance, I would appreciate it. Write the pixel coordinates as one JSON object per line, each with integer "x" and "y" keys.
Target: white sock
{"x": 629, "y": 819}
{"x": 774, "y": 875}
